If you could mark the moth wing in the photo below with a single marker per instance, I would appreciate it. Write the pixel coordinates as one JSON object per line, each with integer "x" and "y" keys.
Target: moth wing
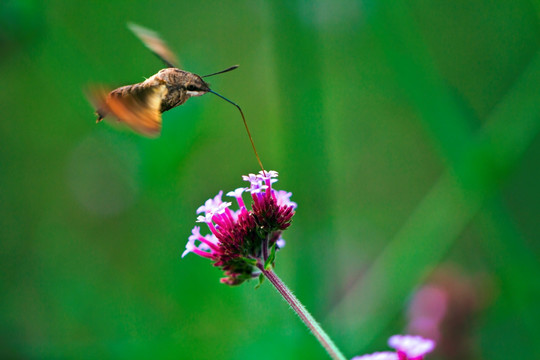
{"x": 136, "y": 106}
{"x": 152, "y": 41}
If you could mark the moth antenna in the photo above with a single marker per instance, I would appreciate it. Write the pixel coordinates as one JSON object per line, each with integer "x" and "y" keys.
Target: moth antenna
{"x": 221, "y": 72}
{"x": 243, "y": 117}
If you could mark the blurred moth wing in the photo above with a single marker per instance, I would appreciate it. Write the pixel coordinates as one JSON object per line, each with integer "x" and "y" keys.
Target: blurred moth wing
{"x": 136, "y": 106}
{"x": 155, "y": 44}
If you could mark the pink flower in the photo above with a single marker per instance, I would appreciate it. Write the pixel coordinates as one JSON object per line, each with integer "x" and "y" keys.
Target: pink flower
{"x": 386, "y": 355}
{"x": 241, "y": 241}
{"x": 411, "y": 347}
{"x": 408, "y": 347}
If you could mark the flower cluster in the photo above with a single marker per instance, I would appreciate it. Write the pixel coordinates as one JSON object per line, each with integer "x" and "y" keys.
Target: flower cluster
{"x": 240, "y": 242}
{"x": 408, "y": 347}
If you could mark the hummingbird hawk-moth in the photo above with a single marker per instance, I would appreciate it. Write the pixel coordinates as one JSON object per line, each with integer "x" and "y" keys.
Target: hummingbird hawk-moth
{"x": 140, "y": 105}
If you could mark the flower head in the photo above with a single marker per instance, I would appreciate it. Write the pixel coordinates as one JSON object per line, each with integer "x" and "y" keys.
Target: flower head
{"x": 240, "y": 241}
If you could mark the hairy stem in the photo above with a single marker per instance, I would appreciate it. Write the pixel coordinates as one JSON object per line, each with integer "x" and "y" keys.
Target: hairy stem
{"x": 306, "y": 317}
{"x": 265, "y": 248}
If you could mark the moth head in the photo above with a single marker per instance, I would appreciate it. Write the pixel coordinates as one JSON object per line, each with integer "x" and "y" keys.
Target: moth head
{"x": 196, "y": 86}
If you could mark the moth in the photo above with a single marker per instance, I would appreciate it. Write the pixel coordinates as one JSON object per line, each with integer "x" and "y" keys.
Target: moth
{"x": 140, "y": 105}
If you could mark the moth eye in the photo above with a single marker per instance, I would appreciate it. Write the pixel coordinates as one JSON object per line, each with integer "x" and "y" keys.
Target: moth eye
{"x": 191, "y": 87}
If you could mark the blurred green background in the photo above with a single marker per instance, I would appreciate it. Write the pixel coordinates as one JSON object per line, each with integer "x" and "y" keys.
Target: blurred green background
{"x": 407, "y": 132}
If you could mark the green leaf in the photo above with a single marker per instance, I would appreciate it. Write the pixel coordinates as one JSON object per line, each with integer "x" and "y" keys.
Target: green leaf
{"x": 261, "y": 279}
{"x": 268, "y": 263}
{"x": 250, "y": 261}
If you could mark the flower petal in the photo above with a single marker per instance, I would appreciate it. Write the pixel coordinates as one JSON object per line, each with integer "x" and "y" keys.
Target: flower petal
{"x": 211, "y": 204}
{"x": 415, "y": 347}
{"x": 385, "y": 355}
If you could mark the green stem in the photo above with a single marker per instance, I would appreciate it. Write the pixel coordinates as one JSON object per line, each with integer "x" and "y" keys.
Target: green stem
{"x": 306, "y": 317}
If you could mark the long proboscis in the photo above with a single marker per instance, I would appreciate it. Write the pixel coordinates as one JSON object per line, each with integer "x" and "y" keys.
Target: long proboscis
{"x": 243, "y": 118}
